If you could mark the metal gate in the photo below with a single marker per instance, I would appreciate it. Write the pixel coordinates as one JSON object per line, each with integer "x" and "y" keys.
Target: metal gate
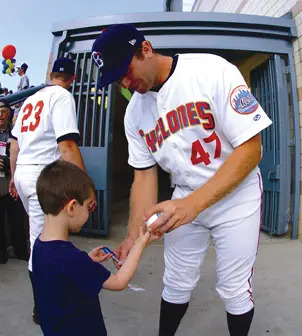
{"x": 94, "y": 114}
{"x": 269, "y": 85}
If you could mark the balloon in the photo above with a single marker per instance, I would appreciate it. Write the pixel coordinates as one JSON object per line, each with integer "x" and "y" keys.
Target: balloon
{"x": 8, "y": 61}
{"x": 9, "y": 51}
{"x": 4, "y": 62}
{"x": 11, "y": 65}
{"x": 13, "y": 60}
{"x": 8, "y": 71}
{"x": 5, "y": 66}
{"x": 4, "y": 71}
{"x": 13, "y": 70}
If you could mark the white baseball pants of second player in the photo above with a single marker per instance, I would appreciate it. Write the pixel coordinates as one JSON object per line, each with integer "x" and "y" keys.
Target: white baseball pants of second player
{"x": 25, "y": 181}
{"x": 233, "y": 224}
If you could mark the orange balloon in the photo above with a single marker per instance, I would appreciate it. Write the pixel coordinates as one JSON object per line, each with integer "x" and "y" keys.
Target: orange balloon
{"x": 9, "y": 51}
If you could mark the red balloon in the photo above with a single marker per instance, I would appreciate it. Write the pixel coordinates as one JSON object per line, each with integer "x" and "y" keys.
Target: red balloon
{"x": 9, "y": 51}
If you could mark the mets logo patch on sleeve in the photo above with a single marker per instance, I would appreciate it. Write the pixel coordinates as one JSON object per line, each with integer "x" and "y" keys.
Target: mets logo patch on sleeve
{"x": 242, "y": 101}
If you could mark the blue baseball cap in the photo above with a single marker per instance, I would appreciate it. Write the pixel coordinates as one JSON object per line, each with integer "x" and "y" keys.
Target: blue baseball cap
{"x": 65, "y": 65}
{"x": 113, "y": 51}
{"x": 23, "y": 66}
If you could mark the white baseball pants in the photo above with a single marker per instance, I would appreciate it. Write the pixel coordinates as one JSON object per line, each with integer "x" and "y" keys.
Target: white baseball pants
{"x": 25, "y": 181}
{"x": 233, "y": 224}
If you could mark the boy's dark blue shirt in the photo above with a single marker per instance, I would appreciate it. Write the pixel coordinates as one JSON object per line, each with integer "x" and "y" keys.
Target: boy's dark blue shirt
{"x": 67, "y": 283}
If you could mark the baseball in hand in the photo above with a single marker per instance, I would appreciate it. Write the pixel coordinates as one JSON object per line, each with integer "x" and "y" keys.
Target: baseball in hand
{"x": 152, "y": 219}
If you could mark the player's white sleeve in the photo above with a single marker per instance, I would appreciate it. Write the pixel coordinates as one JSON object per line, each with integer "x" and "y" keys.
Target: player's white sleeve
{"x": 240, "y": 115}
{"x": 63, "y": 115}
{"x": 139, "y": 155}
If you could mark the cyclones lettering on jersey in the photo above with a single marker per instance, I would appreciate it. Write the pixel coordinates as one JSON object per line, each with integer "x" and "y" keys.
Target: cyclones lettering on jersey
{"x": 190, "y": 114}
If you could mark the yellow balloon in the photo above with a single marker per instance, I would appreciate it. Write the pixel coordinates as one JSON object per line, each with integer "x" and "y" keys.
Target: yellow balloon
{"x": 8, "y": 61}
{"x": 11, "y": 65}
{"x": 8, "y": 71}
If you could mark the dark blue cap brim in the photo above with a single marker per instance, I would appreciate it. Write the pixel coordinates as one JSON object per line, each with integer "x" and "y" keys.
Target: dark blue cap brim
{"x": 111, "y": 75}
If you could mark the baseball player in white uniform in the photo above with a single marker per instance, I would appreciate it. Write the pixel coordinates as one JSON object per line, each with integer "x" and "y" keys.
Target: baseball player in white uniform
{"x": 194, "y": 116}
{"x": 45, "y": 130}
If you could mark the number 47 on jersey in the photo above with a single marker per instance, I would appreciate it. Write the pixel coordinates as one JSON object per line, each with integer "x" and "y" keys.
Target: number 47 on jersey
{"x": 199, "y": 155}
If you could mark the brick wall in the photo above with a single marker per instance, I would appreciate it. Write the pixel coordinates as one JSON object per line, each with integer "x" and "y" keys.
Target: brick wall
{"x": 297, "y": 49}
{"x": 274, "y": 8}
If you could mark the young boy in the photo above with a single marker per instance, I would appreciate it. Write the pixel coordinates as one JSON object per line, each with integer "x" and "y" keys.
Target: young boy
{"x": 67, "y": 281}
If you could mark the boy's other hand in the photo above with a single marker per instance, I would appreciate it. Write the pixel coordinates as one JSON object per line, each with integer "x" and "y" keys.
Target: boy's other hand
{"x": 98, "y": 255}
{"x": 146, "y": 238}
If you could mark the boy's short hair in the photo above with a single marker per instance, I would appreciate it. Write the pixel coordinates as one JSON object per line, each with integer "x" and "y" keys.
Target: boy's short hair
{"x": 61, "y": 182}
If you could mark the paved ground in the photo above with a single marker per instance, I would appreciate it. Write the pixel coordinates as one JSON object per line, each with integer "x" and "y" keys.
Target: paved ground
{"x": 277, "y": 291}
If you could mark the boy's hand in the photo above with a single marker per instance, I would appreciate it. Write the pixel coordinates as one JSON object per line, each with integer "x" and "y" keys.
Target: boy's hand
{"x": 146, "y": 238}
{"x": 98, "y": 255}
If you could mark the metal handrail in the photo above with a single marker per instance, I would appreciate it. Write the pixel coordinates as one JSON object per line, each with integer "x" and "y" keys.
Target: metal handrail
{"x": 20, "y": 96}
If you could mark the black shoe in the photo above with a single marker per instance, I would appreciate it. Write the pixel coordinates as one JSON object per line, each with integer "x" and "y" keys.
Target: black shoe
{"x": 22, "y": 256}
{"x": 3, "y": 258}
{"x": 36, "y": 316}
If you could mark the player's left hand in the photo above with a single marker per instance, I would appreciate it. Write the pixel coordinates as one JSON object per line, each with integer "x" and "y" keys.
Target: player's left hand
{"x": 174, "y": 213}
{"x": 12, "y": 190}
{"x": 98, "y": 255}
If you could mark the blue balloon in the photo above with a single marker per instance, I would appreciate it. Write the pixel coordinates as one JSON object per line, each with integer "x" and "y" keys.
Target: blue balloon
{"x": 4, "y": 71}
{"x": 5, "y": 66}
{"x": 4, "y": 61}
{"x": 13, "y": 60}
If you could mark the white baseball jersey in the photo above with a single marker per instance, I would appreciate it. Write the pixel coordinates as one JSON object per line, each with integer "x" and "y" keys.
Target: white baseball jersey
{"x": 44, "y": 117}
{"x": 195, "y": 121}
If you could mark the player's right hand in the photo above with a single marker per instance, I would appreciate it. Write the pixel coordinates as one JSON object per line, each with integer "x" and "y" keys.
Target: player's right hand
{"x": 12, "y": 189}
{"x": 174, "y": 213}
{"x": 123, "y": 249}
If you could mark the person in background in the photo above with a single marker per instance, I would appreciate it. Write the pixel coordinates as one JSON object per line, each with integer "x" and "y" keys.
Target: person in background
{"x": 24, "y": 80}
{"x": 10, "y": 208}
{"x": 23, "y": 85}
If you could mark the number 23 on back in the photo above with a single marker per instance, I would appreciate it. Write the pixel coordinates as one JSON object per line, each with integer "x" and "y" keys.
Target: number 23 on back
{"x": 28, "y": 110}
